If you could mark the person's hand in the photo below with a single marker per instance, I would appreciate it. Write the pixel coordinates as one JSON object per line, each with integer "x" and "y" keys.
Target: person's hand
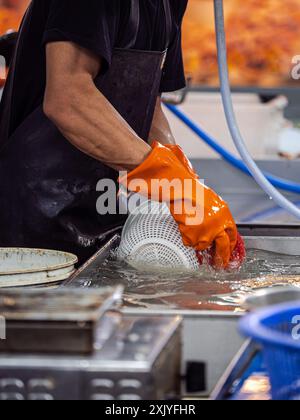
{"x": 203, "y": 218}
{"x": 239, "y": 254}
{"x": 181, "y": 156}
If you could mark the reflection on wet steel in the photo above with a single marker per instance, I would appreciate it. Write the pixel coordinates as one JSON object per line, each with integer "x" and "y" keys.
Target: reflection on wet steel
{"x": 2, "y": 328}
{"x": 11, "y": 383}
{"x": 130, "y": 383}
{"x": 102, "y": 383}
{"x": 2, "y": 67}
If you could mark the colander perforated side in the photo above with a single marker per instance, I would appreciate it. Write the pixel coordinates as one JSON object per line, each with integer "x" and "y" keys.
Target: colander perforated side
{"x": 154, "y": 239}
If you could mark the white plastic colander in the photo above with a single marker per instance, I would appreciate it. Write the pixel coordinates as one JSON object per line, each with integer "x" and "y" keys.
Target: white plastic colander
{"x": 152, "y": 238}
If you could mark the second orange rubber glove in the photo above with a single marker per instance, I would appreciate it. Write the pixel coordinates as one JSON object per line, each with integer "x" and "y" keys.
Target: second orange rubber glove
{"x": 203, "y": 218}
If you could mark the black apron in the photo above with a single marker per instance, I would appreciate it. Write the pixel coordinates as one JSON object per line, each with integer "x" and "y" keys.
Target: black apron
{"x": 47, "y": 186}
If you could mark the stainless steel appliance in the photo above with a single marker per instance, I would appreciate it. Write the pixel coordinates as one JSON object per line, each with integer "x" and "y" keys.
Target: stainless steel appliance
{"x": 54, "y": 321}
{"x": 135, "y": 358}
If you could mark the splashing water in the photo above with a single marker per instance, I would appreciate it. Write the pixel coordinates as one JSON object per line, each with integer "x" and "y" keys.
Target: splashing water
{"x": 206, "y": 290}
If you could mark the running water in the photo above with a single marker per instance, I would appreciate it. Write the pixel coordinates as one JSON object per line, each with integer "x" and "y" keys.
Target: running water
{"x": 208, "y": 290}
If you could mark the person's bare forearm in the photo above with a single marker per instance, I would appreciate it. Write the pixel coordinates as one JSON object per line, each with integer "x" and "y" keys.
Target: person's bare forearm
{"x": 161, "y": 130}
{"x": 83, "y": 115}
{"x": 91, "y": 124}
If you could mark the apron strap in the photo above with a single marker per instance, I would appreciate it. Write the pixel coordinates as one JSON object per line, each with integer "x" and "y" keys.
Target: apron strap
{"x": 169, "y": 22}
{"x": 134, "y": 23}
{"x": 131, "y": 35}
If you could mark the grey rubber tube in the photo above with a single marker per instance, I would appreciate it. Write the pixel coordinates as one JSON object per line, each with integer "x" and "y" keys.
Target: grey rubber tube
{"x": 257, "y": 174}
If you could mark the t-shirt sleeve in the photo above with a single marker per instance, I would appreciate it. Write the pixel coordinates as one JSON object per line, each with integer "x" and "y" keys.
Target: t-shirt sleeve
{"x": 173, "y": 74}
{"x": 87, "y": 24}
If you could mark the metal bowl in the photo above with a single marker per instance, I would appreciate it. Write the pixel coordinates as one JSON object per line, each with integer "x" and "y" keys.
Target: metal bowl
{"x": 21, "y": 267}
{"x": 271, "y": 297}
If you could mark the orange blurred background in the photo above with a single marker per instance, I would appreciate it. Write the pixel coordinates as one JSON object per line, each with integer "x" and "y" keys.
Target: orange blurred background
{"x": 263, "y": 37}
{"x": 11, "y": 12}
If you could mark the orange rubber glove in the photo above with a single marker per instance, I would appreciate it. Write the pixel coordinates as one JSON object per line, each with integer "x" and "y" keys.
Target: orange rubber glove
{"x": 239, "y": 253}
{"x": 203, "y": 218}
{"x": 181, "y": 156}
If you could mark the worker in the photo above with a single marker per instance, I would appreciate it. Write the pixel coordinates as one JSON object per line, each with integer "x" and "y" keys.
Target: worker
{"x": 83, "y": 102}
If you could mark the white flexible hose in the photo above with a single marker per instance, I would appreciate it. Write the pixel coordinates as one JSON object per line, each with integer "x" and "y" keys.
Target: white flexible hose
{"x": 257, "y": 174}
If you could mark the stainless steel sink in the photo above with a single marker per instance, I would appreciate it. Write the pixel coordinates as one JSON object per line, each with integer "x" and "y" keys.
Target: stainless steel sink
{"x": 209, "y": 337}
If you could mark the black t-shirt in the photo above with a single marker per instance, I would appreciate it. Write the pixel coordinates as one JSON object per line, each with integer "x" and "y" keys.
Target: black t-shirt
{"x": 98, "y": 25}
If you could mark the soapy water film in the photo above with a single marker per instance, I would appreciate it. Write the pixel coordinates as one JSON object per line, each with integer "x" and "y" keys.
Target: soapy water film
{"x": 206, "y": 290}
